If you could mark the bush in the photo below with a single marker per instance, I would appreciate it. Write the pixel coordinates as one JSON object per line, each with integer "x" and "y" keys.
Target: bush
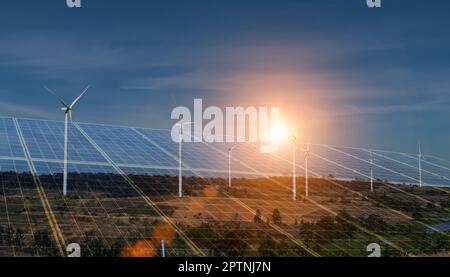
{"x": 276, "y": 217}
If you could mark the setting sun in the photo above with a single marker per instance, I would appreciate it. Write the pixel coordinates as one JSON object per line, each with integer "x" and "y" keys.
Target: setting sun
{"x": 279, "y": 132}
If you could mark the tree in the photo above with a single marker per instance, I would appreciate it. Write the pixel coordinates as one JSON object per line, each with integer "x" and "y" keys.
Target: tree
{"x": 417, "y": 215}
{"x": 18, "y": 237}
{"x": 42, "y": 241}
{"x": 376, "y": 223}
{"x": 268, "y": 247}
{"x": 309, "y": 232}
{"x": 326, "y": 229}
{"x": 431, "y": 206}
{"x": 229, "y": 241}
{"x": 276, "y": 217}
{"x": 97, "y": 247}
{"x": 326, "y": 223}
{"x": 344, "y": 224}
{"x": 118, "y": 246}
{"x": 257, "y": 219}
{"x": 8, "y": 235}
{"x": 1, "y": 234}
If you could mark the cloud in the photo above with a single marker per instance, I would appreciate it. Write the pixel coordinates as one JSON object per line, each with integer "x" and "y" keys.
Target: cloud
{"x": 13, "y": 109}
{"x": 421, "y": 106}
{"x": 56, "y": 51}
{"x": 71, "y": 57}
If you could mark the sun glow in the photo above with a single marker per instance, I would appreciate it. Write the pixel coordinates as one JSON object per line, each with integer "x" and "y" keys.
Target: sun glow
{"x": 279, "y": 132}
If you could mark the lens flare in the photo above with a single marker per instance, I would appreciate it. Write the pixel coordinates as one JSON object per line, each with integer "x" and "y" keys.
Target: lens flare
{"x": 278, "y": 132}
{"x": 163, "y": 232}
{"x": 141, "y": 249}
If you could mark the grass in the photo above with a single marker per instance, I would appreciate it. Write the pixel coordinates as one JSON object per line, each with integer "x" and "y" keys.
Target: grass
{"x": 220, "y": 220}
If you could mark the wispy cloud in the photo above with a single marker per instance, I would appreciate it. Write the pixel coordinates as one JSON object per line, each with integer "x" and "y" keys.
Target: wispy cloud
{"x": 13, "y": 109}
{"x": 62, "y": 56}
{"x": 420, "y": 106}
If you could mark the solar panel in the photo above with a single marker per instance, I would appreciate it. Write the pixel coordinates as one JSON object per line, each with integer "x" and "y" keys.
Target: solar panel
{"x": 149, "y": 148}
{"x": 44, "y": 140}
{"x": 22, "y": 216}
{"x": 125, "y": 146}
{"x": 123, "y": 189}
{"x": 9, "y": 141}
{"x": 109, "y": 208}
{"x": 195, "y": 154}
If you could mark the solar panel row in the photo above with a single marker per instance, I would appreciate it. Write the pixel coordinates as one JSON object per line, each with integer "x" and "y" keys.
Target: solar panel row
{"x": 152, "y": 150}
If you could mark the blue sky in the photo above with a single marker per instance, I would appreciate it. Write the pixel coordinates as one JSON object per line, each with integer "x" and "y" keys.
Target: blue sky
{"x": 356, "y": 76}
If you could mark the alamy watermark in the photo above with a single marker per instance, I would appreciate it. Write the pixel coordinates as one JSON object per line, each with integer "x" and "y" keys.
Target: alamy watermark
{"x": 73, "y": 250}
{"x": 236, "y": 124}
{"x": 73, "y": 3}
{"x": 373, "y": 3}
{"x": 77, "y": 3}
{"x": 374, "y": 249}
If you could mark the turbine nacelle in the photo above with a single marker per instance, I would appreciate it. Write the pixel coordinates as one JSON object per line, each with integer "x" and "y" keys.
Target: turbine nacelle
{"x": 67, "y": 108}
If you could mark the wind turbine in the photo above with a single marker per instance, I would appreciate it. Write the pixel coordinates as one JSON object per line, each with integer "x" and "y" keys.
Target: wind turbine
{"x": 294, "y": 177}
{"x": 371, "y": 170}
{"x": 306, "y": 171}
{"x": 230, "y": 151}
{"x": 180, "y": 163}
{"x": 420, "y": 165}
{"x": 67, "y": 109}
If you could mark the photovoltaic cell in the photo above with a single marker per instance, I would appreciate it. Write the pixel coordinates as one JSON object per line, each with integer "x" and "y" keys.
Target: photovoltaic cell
{"x": 9, "y": 140}
{"x": 125, "y": 146}
{"x": 45, "y": 140}
{"x": 195, "y": 155}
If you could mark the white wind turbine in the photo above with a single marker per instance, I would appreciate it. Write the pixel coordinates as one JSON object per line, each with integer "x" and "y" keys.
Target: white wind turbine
{"x": 371, "y": 170}
{"x": 67, "y": 109}
{"x": 294, "y": 137}
{"x": 306, "y": 171}
{"x": 420, "y": 156}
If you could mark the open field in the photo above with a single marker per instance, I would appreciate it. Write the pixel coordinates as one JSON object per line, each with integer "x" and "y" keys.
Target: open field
{"x": 256, "y": 217}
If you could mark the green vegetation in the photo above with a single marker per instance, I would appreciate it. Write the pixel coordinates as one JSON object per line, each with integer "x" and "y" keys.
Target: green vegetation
{"x": 340, "y": 218}
{"x": 340, "y": 233}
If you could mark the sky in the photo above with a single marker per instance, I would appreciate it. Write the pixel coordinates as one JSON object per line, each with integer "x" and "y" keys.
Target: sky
{"x": 343, "y": 73}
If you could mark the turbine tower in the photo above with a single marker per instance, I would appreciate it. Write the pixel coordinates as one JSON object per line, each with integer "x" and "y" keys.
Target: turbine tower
{"x": 230, "y": 151}
{"x": 371, "y": 170}
{"x": 67, "y": 109}
{"x": 306, "y": 171}
{"x": 420, "y": 165}
{"x": 180, "y": 163}
{"x": 294, "y": 177}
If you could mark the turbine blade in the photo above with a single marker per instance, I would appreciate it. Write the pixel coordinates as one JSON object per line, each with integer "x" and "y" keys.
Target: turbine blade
{"x": 70, "y": 116}
{"x": 57, "y": 97}
{"x": 79, "y": 98}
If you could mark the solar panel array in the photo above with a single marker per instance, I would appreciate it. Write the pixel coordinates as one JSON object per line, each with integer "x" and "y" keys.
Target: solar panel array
{"x": 154, "y": 150}
{"x": 108, "y": 166}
